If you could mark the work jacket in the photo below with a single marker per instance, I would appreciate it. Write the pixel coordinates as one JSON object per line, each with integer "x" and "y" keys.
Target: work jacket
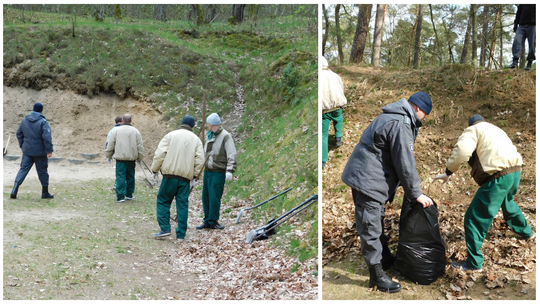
{"x": 125, "y": 144}
{"x": 34, "y": 135}
{"x": 333, "y": 96}
{"x": 221, "y": 152}
{"x": 179, "y": 154}
{"x": 384, "y": 158}
{"x": 488, "y": 150}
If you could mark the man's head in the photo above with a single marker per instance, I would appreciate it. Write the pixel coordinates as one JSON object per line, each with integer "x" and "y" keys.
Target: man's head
{"x": 475, "y": 118}
{"x": 126, "y": 119}
{"x": 422, "y": 104}
{"x": 118, "y": 120}
{"x": 188, "y": 120}
{"x": 324, "y": 62}
{"x": 38, "y": 107}
{"x": 213, "y": 122}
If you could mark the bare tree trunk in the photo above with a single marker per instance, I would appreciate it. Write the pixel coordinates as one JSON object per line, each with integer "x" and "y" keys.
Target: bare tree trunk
{"x": 160, "y": 12}
{"x": 100, "y": 12}
{"x": 200, "y": 15}
{"x": 485, "y": 30}
{"x": 416, "y": 62}
{"x": 437, "y": 43}
{"x": 495, "y": 32}
{"x": 467, "y": 41}
{"x": 338, "y": 35}
{"x": 326, "y": 26}
{"x": 362, "y": 28}
{"x": 501, "y": 43}
{"x": 238, "y": 13}
{"x": 378, "y": 34}
{"x": 474, "y": 38}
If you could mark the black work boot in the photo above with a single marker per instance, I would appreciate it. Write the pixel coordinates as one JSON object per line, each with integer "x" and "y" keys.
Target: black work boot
{"x": 377, "y": 277}
{"x": 529, "y": 64}
{"x": 203, "y": 226}
{"x": 388, "y": 258}
{"x": 15, "y": 190}
{"x": 45, "y": 193}
{"x": 514, "y": 64}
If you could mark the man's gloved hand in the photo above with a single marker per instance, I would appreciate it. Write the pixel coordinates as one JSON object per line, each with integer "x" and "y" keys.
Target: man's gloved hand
{"x": 444, "y": 177}
{"x": 228, "y": 176}
{"x": 109, "y": 160}
{"x": 155, "y": 176}
{"x": 194, "y": 182}
{"x": 424, "y": 200}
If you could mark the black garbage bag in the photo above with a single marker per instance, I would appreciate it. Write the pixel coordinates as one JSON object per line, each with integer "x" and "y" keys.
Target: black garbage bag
{"x": 421, "y": 255}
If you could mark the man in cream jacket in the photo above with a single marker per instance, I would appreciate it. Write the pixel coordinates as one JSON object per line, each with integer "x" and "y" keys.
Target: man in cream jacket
{"x": 496, "y": 168}
{"x": 180, "y": 157}
{"x": 333, "y": 98}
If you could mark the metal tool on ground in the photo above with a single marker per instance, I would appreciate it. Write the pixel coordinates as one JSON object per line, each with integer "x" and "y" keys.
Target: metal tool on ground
{"x": 268, "y": 229}
{"x": 148, "y": 182}
{"x": 256, "y": 206}
{"x": 6, "y": 146}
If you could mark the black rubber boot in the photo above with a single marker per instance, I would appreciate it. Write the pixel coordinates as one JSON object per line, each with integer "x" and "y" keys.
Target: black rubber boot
{"x": 529, "y": 64}
{"x": 15, "y": 190}
{"x": 377, "y": 277}
{"x": 45, "y": 193}
{"x": 514, "y": 64}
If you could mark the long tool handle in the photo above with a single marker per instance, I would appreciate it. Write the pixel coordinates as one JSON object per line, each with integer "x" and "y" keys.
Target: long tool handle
{"x": 7, "y": 143}
{"x": 266, "y": 201}
{"x": 313, "y": 198}
{"x": 202, "y": 169}
{"x": 276, "y": 223}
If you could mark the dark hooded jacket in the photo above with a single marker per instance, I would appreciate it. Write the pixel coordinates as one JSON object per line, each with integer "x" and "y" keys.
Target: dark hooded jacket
{"x": 34, "y": 135}
{"x": 525, "y": 15}
{"x": 384, "y": 158}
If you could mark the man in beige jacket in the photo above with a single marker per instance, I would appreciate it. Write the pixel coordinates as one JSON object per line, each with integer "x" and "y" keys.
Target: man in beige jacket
{"x": 180, "y": 157}
{"x": 496, "y": 168}
{"x": 333, "y": 98}
{"x": 126, "y": 146}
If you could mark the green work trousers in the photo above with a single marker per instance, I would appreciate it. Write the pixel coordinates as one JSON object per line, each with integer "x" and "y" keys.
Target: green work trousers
{"x": 213, "y": 186}
{"x": 173, "y": 188}
{"x": 489, "y": 198}
{"x": 125, "y": 179}
{"x": 336, "y": 117}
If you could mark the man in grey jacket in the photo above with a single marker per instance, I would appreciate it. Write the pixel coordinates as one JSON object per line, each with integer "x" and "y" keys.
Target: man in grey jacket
{"x": 126, "y": 146}
{"x": 221, "y": 164}
{"x": 382, "y": 161}
{"x": 35, "y": 141}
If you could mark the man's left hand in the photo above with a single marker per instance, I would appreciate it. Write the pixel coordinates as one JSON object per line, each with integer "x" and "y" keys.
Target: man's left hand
{"x": 228, "y": 176}
{"x": 49, "y": 155}
{"x": 444, "y": 177}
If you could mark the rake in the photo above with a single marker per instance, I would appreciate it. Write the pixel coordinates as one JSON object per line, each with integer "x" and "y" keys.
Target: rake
{"x": 266, "y": 201}
{"x": 270, "y": 227}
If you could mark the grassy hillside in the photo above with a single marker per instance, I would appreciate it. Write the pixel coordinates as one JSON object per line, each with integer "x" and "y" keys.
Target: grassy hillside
{"x": 172, "y": 65}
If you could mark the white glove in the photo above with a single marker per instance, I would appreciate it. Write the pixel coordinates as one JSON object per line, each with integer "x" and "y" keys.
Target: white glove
{"x": 109, "y": 160}
{"x": 155, "y": 176}
{"x": 444, "y": 177}
{"x": 194, "y": 182}
{"x": 228, "y": 176}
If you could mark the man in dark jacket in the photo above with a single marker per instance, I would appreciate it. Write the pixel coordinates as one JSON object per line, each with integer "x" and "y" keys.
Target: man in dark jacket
{"x": 35, "y": 140}
{"x": 382, "y": 161}
{"x": 525, "y": 28}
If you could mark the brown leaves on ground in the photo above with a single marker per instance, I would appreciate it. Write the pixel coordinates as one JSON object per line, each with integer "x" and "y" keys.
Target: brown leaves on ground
{"x": 508, "y": 259}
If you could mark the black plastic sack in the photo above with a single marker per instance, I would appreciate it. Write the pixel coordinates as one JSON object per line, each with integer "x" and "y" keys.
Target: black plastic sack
{"x": 421, "y": 255}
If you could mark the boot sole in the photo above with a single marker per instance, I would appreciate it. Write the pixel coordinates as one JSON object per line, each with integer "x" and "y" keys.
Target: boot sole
{"x": 387, "y": 290}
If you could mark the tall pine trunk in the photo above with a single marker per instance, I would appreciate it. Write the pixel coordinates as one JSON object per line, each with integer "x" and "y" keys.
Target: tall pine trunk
{"x": 437, "y": 43}
{"x": 378, "y": 34}
{"x": 326, "y": 27}
{"x": 362, "y": 28}
{"x": 474, "y": 38}
{"x": 467, "y": 41}
{"x": 338, "y": 35}
{"x": 416, "y": 62}
{"x": 485, "y": 30}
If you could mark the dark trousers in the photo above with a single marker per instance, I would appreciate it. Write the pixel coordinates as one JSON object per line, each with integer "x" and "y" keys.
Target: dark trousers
{"x": 370, "y": 227}
{"x": 336, "y": 118}
{"x": 524, "y": 32}
{"x": 213, "y": 186}
{"x": 173, "y": 188}
{"x": 125, "y": 179}
{"x": 42, "y": 163}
